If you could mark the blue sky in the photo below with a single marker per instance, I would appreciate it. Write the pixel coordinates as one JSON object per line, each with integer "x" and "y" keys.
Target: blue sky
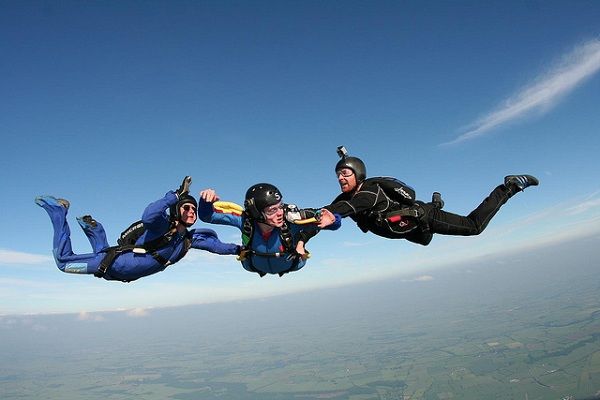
{"x": 110, "y": 104}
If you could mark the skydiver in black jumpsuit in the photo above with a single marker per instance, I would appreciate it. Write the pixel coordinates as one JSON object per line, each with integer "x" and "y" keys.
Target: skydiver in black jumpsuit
{"x": 373, "y": 210}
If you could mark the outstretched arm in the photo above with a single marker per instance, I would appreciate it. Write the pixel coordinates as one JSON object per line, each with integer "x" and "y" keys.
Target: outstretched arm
{"x": 346, "y": 205}
{"x": 207, "y": 213}
{"x": 305, "y": 216}
{"x": 207, "y": 239}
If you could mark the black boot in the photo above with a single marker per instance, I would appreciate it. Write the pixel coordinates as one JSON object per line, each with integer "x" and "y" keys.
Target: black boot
{"x": 87, "y": 222}
{"x": 436, "y": 200}
{"x": 518, "y": 183}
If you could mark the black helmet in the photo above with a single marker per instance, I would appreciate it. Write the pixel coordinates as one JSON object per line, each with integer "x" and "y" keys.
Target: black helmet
{"x": 353, "y": 163}
{"x": 183, "y": 199}
{"x": 260, "y": 196}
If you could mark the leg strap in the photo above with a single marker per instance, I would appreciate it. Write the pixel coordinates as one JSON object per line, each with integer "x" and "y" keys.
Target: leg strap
{"x": 107, "y": 261}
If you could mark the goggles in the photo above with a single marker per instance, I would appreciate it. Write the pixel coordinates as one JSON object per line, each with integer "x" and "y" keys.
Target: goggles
{"x": 345, "y": 172}
{"x": 270, "y": 211}
{"x": 189, "y": 207}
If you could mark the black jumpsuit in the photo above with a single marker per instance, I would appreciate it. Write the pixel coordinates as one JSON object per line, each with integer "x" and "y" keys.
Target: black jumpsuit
{"x": 369, "y": 205}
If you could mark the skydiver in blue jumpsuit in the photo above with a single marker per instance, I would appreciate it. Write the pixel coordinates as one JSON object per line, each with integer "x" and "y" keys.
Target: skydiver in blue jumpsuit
{"x": 129, "y": 266}
{"x": 275, "y": 246}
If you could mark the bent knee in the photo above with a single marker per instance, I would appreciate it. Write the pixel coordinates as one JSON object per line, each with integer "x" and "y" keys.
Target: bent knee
{"x": 73, "y": 267}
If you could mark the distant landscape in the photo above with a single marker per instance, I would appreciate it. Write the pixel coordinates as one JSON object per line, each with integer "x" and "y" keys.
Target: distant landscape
{"x": 524, "y": 326}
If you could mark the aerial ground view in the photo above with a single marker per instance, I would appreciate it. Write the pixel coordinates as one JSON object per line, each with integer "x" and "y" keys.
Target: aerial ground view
{"x": 530, "y": 330}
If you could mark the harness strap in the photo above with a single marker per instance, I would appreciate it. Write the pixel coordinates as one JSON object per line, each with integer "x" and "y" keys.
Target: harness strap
{"x": 247, "y": 231}
{"x": 395, "y": 216}
{"x": 107, "y": 261}
{"x": 160, "y": 259}
{"x": 113, "y": 252}
{"x": 405, "y": 219}
{"x": 286, "y": 240}
{"x": 286, "y": 237}
{"x": 258, "y": 253}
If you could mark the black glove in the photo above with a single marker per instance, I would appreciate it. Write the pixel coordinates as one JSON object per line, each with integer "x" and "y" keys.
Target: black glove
{"x": 243, "y": 253}
{"x": 185, "y": 186}
{"x": 310, "y": 213}
{"x": 293, "y": 213}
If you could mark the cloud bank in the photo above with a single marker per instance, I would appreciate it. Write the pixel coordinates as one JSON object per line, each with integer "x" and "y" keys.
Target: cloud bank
{"x": 138, "y": 312}
{"x": 545, "y": 91}
{"x": 15, "y": 257}
{"x": 86, "y": 316}
{"x": 422, "y": 278}
{"x": 592, "y": 202}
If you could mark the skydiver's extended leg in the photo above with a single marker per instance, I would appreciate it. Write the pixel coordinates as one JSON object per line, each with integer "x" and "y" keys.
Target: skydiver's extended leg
{"x": 65, "y": 259}
{"x": 446, "y": 223}
{"x": 95, "y": 233}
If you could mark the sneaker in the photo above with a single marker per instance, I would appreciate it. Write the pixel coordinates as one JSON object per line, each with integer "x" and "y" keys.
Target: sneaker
{"x": 436, "y": 199}
{"x": 87, "y": 222}
{"x": 520, "y": 181}
{"x": 51, "y": 201}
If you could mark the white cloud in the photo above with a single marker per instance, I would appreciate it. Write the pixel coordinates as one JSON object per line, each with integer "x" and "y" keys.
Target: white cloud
{"x": 590, "y": 203}
{"x": 15, "y": 257}
{"x": 86, "y": 316}
{"x": 422, "y": 278}
{"x": 7, "y": 283}
{"x": 555, "y": 215}
{"x": 546, "y": 90}
{"x": 138, "y": 312}
{"x": 575, "y": 218}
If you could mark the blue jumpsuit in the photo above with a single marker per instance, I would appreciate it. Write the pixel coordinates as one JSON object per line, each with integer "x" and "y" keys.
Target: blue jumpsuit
{"x": 129, "y": 266}
{"x": 263, "y": 244}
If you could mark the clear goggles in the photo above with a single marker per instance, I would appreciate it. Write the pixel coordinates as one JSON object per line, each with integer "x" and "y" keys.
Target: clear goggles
{"x": 345, "y": 172}
{"x": 272, "y": 210}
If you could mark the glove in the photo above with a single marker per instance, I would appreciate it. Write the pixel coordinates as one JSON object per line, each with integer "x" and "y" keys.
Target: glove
{"x": 307, "y": 213}
{"x": 244, "y": 253}
{"x": 185, "y": 186}
{"x": 293, "y": 213}
{"x": 295, "y": 254}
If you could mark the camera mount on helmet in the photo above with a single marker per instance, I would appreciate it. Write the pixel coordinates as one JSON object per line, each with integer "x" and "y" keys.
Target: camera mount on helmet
{"x": 342, "y": 152}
